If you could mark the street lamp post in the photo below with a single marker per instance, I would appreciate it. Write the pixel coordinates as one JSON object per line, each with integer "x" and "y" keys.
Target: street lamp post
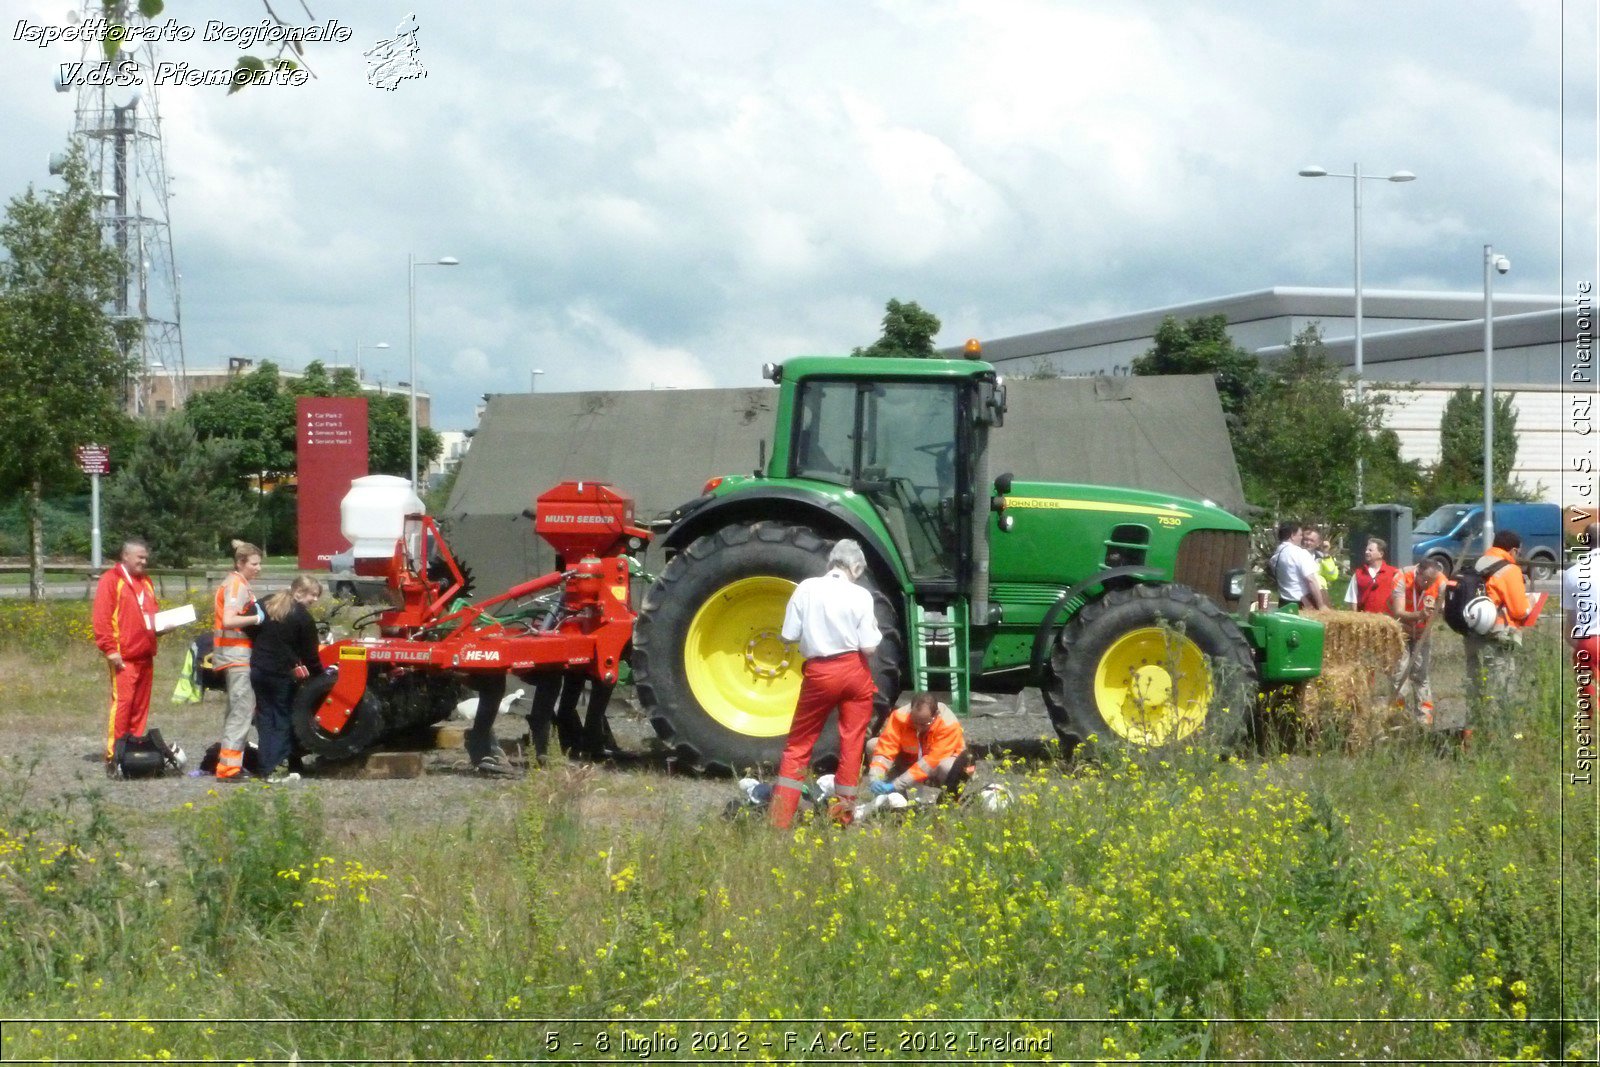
{"x": 380, "y": 346}
{"x": 1491, "y": 264}
{"x": 1356, "y": 178}
{"x": 411, "y": 316}
{"x": 533, "y": 380}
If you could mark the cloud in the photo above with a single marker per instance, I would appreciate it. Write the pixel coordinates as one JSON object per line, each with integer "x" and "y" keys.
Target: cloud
{"x": 674, "y": 194}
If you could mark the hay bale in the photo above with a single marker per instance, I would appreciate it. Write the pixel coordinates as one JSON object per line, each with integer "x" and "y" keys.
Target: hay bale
{"x": 1352, "y": 697}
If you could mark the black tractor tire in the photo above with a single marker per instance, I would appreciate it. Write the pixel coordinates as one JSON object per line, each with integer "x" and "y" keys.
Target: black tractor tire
{"x": 361, "y": 731}
{"x": 1186, "y": 620}
{"x": 660, "y": 640}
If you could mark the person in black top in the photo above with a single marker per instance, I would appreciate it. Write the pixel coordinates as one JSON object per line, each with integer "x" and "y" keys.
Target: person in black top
{"x": 283, "y": 653}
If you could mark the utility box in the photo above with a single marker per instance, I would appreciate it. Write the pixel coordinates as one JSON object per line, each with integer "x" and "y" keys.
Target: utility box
{"x": 1391, "y": 523}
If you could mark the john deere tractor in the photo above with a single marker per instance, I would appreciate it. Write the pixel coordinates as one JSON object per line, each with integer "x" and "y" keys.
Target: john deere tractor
{"x": 1114, "y": 602}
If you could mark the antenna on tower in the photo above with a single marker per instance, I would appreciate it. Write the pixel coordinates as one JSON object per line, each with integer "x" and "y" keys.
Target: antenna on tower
{"x": 119, "y": 127}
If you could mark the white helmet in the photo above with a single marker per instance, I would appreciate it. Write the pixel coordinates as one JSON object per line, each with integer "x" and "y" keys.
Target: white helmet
{"x": 1480, "y": 615}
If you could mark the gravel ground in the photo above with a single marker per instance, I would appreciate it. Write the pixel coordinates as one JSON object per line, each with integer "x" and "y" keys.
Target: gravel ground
{"x": 64, "y": 754}
{"x": 64, "y": 751}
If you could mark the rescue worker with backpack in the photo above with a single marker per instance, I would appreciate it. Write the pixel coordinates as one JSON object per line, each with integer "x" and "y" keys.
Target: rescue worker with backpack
{"x": 1488, "y": 606}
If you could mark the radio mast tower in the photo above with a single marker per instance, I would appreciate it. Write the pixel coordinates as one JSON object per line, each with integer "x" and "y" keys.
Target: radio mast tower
{"x": 119, "y": 128}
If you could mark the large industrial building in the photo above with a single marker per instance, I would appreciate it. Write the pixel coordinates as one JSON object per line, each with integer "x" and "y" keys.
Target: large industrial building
{"x": 1417, "y": 346}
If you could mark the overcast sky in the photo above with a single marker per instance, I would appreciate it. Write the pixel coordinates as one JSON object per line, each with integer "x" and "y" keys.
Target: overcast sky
{"x": 669, "y": 194}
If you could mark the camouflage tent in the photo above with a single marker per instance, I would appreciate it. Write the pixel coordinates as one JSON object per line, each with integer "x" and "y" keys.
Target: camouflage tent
{"x": 1164, "y": 434}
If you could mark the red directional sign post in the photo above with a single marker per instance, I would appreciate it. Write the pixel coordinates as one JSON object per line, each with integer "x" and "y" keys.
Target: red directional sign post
{"x": 94, "y": 460}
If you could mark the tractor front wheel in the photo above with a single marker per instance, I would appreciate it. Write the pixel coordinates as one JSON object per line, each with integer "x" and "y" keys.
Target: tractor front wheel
{"x": 710, "y": 664}
{"x": 1150, "y": 666}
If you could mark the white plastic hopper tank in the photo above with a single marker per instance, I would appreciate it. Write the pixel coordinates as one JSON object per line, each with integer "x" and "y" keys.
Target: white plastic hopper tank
{"x": 372, "y": 514}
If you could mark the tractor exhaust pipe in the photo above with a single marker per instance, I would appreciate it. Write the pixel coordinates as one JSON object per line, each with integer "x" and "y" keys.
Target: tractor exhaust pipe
{"x": 981, "y": 490}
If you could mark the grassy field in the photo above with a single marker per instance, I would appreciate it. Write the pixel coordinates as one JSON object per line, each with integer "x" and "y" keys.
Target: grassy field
{"x": 1412, "y": 900}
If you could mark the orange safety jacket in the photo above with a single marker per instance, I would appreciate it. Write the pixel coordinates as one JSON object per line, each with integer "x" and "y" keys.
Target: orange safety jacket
{"x": 1507, "y": 589}
{"x": 125, "y": 615}
{"x": 1410, "y": 600}
{"x": 234, "y": 593}
{"x": 942, "y": 740}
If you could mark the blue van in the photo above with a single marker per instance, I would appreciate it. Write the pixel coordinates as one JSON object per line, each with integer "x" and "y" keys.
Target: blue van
{"x": 1455, "y": 532}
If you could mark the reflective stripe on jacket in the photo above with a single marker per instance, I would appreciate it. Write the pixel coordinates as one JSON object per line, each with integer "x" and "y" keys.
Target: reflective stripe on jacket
{"x": 232, "y": 595}
{"x": 943, "y": 740}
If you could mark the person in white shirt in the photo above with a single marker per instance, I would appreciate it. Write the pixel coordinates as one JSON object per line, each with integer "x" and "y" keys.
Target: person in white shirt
{"x": 1582, "y": 608}
{"x": 1295, "y": 570}
{"x": 832, "y": 619}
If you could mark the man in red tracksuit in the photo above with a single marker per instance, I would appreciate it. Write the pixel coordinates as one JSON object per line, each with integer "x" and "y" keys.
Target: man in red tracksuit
{"x": 833, "y": 620}
{"x": 125, "y": 631}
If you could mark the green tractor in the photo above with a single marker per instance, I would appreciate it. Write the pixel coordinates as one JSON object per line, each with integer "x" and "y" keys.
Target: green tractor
{"x": 1114, "y": 602}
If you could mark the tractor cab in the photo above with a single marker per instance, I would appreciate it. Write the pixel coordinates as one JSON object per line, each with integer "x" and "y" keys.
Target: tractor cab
{"x": 907, "y": 436}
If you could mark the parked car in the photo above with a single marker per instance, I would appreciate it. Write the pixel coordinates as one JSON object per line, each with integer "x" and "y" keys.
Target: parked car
{"x": 1454, "y": 532}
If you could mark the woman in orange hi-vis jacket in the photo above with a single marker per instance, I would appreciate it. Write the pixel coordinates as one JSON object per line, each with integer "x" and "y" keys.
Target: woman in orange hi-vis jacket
{"x": 125, "y": 631}
{"x": 921, "y": 743}
{"x": 235, "y": 608}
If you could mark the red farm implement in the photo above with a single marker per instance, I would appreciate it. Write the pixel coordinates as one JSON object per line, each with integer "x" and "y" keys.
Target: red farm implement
{"x": 431, "y": 642}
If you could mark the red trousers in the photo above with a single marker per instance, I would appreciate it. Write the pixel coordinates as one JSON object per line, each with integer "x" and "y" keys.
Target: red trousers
{"x": 1586, "y": 661}
{"x": 845, "y": 682}
{"x": 129, "y": 708}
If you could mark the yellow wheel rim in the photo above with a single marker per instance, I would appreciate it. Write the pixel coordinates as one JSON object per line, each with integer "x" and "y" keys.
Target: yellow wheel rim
{"x": 740, "y": 669}
{"x": 1153, "y": 686}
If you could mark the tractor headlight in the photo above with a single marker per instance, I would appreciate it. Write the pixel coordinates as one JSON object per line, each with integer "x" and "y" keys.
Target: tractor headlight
{"x": 1235, "y": 585}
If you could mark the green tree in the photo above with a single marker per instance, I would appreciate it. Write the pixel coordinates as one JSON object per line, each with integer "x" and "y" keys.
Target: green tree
{"x": 258, "y": 411}
{"x": 908, "y": 332}
{"x": 1202, "y": 346}
{"x": 1458, "y": 475}
{"x": 178, "y": 492}
{"x": 62, "y": 372}
{"x": 1302, "y": 431}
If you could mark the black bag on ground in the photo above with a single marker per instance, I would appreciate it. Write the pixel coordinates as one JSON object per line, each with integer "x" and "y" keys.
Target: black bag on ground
{"x": 144, "y": 756}
{"x": 1467, "y": 586}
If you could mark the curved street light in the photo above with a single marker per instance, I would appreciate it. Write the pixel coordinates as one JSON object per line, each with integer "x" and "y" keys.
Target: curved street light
{"x": 1356, "y": 178}
{"x": 411, "y": 308}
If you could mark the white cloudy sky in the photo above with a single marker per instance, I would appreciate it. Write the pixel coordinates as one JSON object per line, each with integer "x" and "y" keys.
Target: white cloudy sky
{"x": 669, "y": 193}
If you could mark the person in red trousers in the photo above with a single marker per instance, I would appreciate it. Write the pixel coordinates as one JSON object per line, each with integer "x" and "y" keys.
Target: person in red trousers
{"x": 125, "y": 632}
{"x": 832, "y": 619}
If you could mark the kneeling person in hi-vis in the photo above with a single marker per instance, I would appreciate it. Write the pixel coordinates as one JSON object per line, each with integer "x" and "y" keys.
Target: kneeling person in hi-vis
{"x": 832, "y": 619}
{"x": 921, "y": 744}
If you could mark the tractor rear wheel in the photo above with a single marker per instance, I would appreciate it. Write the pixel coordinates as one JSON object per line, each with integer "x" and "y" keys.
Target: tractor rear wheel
{"x": 1149, "y": 666}
{"x": 710, "y": 665}
{"x": 361, "y": 731}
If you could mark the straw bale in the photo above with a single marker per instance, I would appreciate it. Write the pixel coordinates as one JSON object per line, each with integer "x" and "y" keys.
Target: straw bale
{"x": 1352, "y": 697}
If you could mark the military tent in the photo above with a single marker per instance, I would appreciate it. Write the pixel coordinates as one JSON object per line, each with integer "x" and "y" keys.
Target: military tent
{"x": 1164, "y": 434}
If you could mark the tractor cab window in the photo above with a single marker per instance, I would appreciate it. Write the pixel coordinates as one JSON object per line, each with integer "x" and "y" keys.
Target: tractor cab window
{"x": 908, "y": 469}
{"x": 825, "y": 440}
{"x": 896, "y": 444}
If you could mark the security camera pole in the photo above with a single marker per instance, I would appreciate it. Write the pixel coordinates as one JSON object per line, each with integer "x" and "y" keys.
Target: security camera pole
{"x": 1491, "y": 263}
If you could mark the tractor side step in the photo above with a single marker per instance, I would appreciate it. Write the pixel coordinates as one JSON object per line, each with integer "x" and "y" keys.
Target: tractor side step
{"x": 941, "y": 658}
